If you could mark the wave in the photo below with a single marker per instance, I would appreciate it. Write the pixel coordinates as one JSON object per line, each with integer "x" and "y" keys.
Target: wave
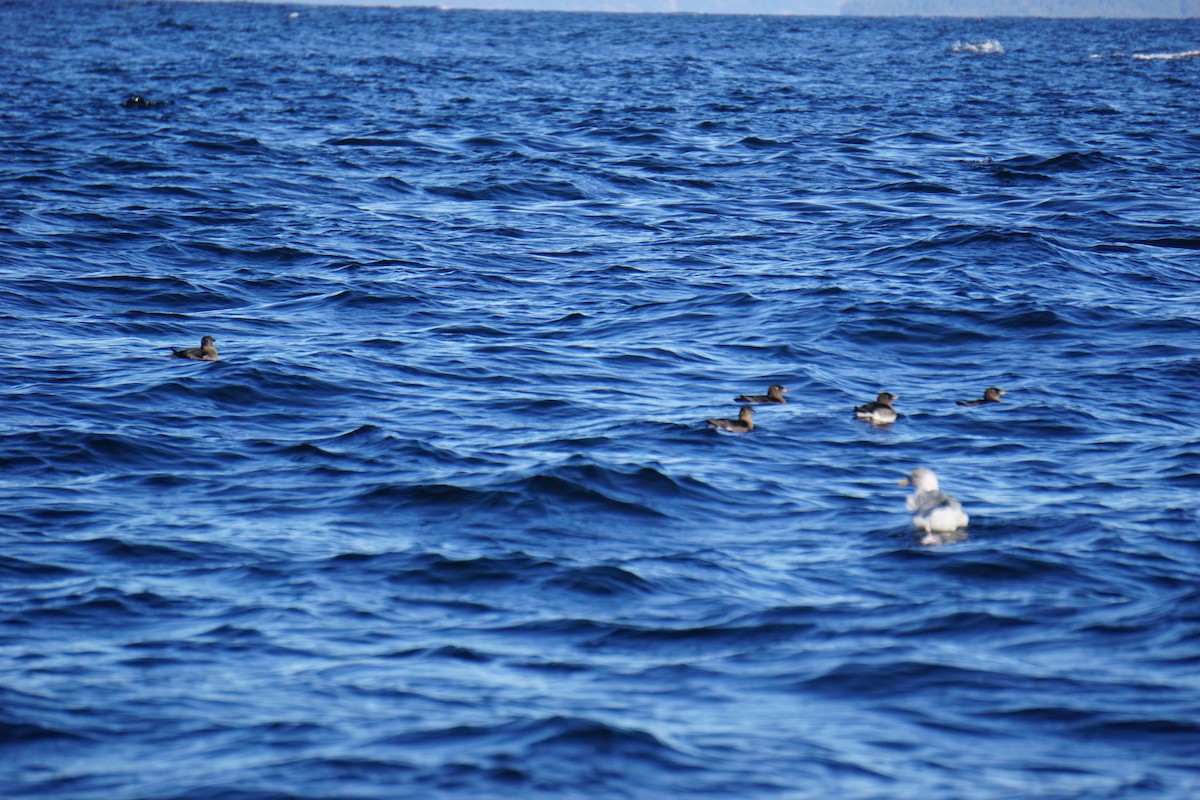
{"x": 918, "y": 187}
{"x": 68, "y": 450}
{"x": 566, "y": 488}
{"x": 19, "y": 733}
{"x": 986, "y": 47}
{"x": 482, "y": 577}
{"x": 1183, "y": 243}
{"x": 525, "y": 735}
{"x": 529, "y": 190}
{"x": 12, "y": 568}
{"x": 1069, "y": 161}
{"x": 1165, "y": 56}
{"x": 227, "y": 144}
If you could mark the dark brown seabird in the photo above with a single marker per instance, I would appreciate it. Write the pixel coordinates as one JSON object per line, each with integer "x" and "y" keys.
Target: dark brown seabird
{"x": 207, "y": 351}
{"x": 774, "y": 395}
{"x": 743, "y": 424}
{"x": 990, "y": 395}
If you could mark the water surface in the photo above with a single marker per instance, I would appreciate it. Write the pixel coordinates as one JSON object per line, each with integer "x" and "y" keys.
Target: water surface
{"x": 446, "y": 520}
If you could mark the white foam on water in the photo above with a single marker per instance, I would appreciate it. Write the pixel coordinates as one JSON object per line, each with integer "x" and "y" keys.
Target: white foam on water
{"x": 1166, "y": 56}
{"x": 986, "y": 47}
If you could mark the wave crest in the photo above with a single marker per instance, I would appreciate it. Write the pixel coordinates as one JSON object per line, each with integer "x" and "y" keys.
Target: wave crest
{"x": 985, "y": 48}
{"x": 1166, "y": 56}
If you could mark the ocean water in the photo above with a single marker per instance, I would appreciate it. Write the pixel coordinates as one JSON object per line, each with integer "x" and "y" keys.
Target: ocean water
{"x": 446, "y": 519}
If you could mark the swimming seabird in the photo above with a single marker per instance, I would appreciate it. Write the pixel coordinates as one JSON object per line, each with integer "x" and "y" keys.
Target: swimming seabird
{"x": 743, "y": 424}
{"x": 879, "y": 411}
{"x": 934, "y": 511}
{"x": 137, "y": 101}
{"x": 774, "y": 395}
{"x": 990, "y": 395}
{"x": 207, "y": 351}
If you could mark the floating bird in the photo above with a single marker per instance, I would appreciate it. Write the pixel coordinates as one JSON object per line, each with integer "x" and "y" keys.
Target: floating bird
{"x": 743, "y": 424}
{"x": 934, "y": 511}
{"x": 137, "y": 101}
{"x": 990, "y": 395}
{"x": 879, "y": 411}
{"x": 773, "y": 395}
{"x": 207, "y": 351}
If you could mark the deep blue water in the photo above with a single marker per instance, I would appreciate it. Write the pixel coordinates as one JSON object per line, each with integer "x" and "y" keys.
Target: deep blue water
{"x": 446, "y": 520}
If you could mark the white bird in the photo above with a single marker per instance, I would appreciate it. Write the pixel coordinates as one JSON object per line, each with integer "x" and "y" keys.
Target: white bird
{"x": 933, "y": 510}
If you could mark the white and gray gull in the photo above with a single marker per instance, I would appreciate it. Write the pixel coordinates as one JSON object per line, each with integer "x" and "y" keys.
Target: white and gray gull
{"x": 933, "y": 511}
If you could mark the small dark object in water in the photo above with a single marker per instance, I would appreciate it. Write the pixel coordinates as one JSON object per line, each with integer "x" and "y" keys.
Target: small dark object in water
{"x": 990, "y": 395}
{"x": 137, "y": 101}
{"x": 774, "y": 395}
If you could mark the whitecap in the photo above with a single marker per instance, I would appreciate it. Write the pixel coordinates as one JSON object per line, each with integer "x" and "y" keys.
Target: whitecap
{"x": 986, "y": 47}
{"x": 1166, "y": 56}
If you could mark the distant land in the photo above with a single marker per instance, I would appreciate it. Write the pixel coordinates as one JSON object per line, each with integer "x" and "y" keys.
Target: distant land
{"x": 1126, "y": 9}
{"x": 1120, "y": 9}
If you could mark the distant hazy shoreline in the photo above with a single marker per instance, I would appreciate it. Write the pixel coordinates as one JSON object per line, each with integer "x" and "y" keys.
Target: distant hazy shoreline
{"x": 1110, "y": 9}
